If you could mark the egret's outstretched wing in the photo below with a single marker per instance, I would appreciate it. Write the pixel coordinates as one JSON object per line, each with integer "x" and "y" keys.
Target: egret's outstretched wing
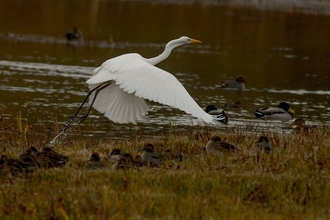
{"x": 119, "y": 106}
{"x": 139, "y": 79}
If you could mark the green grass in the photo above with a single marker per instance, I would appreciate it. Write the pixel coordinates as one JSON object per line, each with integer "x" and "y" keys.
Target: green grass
{"x": 291, "y": 183}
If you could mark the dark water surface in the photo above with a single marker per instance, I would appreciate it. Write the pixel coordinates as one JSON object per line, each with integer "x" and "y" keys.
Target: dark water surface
{"x": 283, "y": 55}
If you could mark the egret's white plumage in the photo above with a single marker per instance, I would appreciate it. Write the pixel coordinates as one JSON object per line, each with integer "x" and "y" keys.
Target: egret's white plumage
{"x": 133, "y": 79}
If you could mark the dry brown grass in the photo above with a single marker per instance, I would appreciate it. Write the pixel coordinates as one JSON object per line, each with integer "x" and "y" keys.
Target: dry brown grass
{"x": 290, "y": 183}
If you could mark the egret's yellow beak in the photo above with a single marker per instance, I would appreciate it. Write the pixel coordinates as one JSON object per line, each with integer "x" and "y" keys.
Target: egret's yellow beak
{"x": 195, "y": 41}
{"x": 291, "y": 111}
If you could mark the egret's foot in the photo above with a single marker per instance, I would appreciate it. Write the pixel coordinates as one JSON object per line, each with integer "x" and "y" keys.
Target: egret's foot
{"x": 67, "y": 124}
{"x": 81, "y": 119}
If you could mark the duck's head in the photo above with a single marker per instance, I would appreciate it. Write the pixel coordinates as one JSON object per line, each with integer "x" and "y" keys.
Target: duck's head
{"x": 286, "y": 107}
{"x": 3, "y": 158}
{"x": 210, "y": 108}
{"x": 115, "y": 151}
{"x": 46, "y": 149}
{"x": 262, "y": 139}
{"x": 215, "y": 138}
{"x": 95, "y": 157}
{"x": 299, "y": 122}
{"x": 32, "y": 150}
{"x": 147, "y": 147}
{"x": 128, "y": 156}
{"x": 240, "y": 79}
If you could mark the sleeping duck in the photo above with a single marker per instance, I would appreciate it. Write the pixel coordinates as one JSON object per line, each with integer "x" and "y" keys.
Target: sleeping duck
{"x": 283, "y": 112}
{"x": 217, "y": 147}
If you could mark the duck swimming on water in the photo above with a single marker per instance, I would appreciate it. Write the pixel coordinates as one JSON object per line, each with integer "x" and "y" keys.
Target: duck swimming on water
{"x": 220, "y": 115}
{"x": 237, "y": 85}
{"x": 75, "y": 34}
{"x": 282, "y": 112}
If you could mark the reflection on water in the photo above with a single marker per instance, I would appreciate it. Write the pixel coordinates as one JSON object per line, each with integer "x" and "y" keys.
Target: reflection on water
{"x": 284, "y": 56}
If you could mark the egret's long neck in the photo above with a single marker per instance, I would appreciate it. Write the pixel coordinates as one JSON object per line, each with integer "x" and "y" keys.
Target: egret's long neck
{"x": 168, "y": 48}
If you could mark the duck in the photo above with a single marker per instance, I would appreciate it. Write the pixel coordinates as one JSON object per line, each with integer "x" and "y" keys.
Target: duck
{"x": 301, "y": 127}
{"x": 151, "y": 157}
{"x": 5, "y": 170}
{"x": 29, "y": 159}
{"x": 220, "y": 115}
{"x": 238, "y": 84}
{"x": 128, "y": 162}
{"x": 48, "y": 158}
{"x": 235, "y": 107}
{"x": 138, "y": 162}
{"x": 115, "y": 155}
{"x": 216, "y": 146}
{"x": 74, "y": 34}
{"x": 283, "y": 112}
{"x": 94, "y": 163}
{"x": 170, "y": 155}
{"x": 263, "y": 145}
{"x": 12, "y": 166}
{"x": 2, "y": 161}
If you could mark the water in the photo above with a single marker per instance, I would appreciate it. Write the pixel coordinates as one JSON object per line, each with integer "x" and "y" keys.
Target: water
{"x": 283, "y": 55}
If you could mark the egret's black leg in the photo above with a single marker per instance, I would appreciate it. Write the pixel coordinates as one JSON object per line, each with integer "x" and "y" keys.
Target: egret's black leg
{"x": 82, "y": 118}
{"x": 72, "y": 118}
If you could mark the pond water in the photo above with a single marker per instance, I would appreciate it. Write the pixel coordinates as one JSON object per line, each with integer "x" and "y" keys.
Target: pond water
{"x": 283, "y": 55}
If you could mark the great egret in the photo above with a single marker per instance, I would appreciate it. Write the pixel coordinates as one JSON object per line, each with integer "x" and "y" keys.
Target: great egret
{"x": 283, "y": 112}
{"x": 119, "y": 87}
{"x": 238, "y": 84}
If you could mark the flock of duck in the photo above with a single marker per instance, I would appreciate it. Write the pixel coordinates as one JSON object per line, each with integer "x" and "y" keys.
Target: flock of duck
{"x": 282, "y": 112}
{"x": 151, "y": 158}
{"x": 32, "y": 159}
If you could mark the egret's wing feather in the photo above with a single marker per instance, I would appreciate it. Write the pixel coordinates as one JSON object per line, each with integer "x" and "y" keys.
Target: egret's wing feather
{"x": 119, "y": 106}
{"x": 150, "y": 82}
{"x": 138, "y": 78}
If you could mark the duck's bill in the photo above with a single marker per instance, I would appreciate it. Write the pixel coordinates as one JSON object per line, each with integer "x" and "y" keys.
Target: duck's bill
{"x": 291, "y": 111}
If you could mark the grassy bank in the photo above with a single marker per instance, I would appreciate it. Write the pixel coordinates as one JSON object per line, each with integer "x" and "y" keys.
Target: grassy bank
{"x": 290, "y": 183}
